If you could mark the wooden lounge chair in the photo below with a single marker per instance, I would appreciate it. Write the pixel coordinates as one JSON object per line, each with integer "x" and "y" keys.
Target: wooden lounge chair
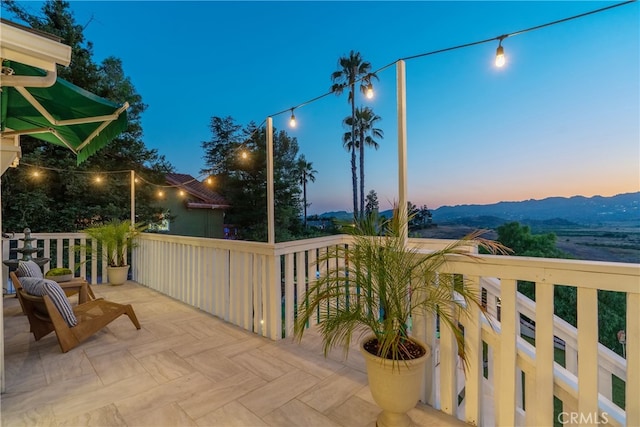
{"x": 44, "y": 317}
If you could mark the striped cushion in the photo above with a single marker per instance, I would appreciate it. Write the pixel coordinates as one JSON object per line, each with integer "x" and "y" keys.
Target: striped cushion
{"x": 41, "y": 287}
{"x": 28, "y": 269}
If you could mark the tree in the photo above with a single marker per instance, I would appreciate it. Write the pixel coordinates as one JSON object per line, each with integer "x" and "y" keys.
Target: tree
{"x": 365, "y": 120}
{"x": 65, "y": 198}
{"x": 611, "y": 305}
{"x": 371, "y": 204}
{"x": 242, "y": 180}
{"x": 353, "y": 70}
{"x": 306, "y": 174}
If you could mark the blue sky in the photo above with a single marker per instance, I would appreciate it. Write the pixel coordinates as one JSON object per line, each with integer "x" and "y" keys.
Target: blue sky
{"x": 560, "y": 119}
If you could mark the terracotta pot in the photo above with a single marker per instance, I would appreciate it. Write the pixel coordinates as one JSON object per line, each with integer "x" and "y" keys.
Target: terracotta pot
{"x": 395, "y": 386}
{"x": 117, "y": 275}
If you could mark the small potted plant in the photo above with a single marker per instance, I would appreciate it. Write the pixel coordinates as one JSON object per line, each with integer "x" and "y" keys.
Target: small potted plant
{"x": 59, "y": 274}
{"x": 374, "y": 293}
{"x": 115, "y": 239}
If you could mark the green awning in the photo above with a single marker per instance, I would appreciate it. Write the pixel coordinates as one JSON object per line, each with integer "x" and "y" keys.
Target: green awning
{"x": 62, "y": 114}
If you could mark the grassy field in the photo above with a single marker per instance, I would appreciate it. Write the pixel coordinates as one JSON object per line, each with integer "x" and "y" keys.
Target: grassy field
{"x": 614, "y": 243}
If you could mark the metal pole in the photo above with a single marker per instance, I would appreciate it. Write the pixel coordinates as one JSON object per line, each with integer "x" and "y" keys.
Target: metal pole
{"x": 402, "y": 149}
{"x": 133, "y": 198}
{"x": 270, "y": 194}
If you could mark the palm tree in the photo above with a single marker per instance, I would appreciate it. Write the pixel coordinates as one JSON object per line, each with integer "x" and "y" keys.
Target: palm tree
{"x": 307, "y": 173}
{"x": 365, "y": 120}
{"x": 352, "y": 70}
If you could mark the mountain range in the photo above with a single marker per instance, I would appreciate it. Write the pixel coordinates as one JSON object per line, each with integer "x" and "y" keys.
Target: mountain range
{"x": 596, "y": 210}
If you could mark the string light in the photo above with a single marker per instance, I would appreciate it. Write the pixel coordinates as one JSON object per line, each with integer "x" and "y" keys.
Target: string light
{"x": 98, "y": 179}
{"x": 369, "y": 92}
{"x": 181, "y": 193}
{"x": 160, "y": 193}
{"x": 35, "y": 174}
{"x": 209, "y": 180}
{"x": 244, "y": 155}
{"x": 500, "y": 58}
{"x": 292, "y": 121}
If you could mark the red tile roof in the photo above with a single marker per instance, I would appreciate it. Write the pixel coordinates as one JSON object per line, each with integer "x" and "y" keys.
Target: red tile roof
{"x": 207, "y": 199}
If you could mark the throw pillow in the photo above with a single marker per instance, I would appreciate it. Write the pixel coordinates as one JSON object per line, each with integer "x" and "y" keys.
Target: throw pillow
{"x": 42, "y": 287}
{"x": 28, "y": 269}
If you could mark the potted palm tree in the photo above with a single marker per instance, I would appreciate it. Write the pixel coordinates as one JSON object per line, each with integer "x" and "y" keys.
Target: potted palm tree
{"x": 115, "y": 239}
{"x": 382, "y": 284}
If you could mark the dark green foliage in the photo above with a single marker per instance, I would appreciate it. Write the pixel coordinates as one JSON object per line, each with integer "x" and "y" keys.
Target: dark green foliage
{"x": 611, "y": 305}
{"x": 243, "y": 180}
{"x": 65, "y": 198}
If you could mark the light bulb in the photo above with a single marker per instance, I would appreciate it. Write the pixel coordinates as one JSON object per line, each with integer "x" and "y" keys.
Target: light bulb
{"x": 500, "y": 59}
{"x": 98, "y": 179}
{"x": 292, "y": 121}
{"x": 160, "y": 193}
{"x": 244, "y": 155}
{"x": 209, "y": 181}
{"x": 369, "y": 93}
{"x": 181, "y": 193}
{"x": 36, "y": 174}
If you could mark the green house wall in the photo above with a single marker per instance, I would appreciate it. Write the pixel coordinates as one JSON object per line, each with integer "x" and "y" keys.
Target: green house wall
{"x": 193, "y": 222}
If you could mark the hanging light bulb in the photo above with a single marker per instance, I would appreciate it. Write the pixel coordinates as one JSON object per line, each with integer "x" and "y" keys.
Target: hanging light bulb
{"x": 36, "y": 174}
{"x": 244, "y": 155}
{"x": 98, "y": 179}
{"x": 160, "y": 193}
{"x": 369, "y": 92}
{"x": 209, "y": 180}
{"x": 500, "y": 59}
{"x": 292, "y": 121}
{"x": 181, "y": 193}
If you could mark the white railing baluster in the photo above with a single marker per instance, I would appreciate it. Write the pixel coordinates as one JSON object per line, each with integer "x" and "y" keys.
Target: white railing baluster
{"x": 633, "y": 359}
{"x": 473, "y": 395}
{"x": 506, "y": 396}
{"x": 543, "y": 394}
{"x": 289, "y": 292}
{"x": 587, "y": 357}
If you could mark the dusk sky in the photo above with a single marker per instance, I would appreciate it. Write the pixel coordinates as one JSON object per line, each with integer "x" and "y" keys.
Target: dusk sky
{"x": 562, "y": 117}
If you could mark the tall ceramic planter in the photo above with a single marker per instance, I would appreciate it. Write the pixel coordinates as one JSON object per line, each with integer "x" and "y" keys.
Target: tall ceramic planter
{"x": 117, "y": 275}
{"x": 395, "y": 386}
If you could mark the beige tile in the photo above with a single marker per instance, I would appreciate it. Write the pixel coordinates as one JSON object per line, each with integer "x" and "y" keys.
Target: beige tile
{"x": 334, "y": 390}
{"x": 50, "y": 394}
{"x": 24, "y": 371}
{"x": 299, "y": 356}
{"x": 60, "y": 366}
{"x": 116, "y": 366}
{"x": 278, "y": 392}
{"x": 105, "y": 416}
{"x": 231, "y": 415}
{"x": 73, "y": 405}
{"x": 41, "y": 415}
{"x": 221, "y": 393}
{"x": 355, "y": 412}
{"x": 166, "y": 416}
{"x": 262, "y": 364}
{"x": 166, "y": 366}
{"x": 242, "y": 345}
{"x": 168, "y": 393}
{"x": 141, "y": 350}
{"x": 214, "y": 365}
{"x": 296, "y": 413}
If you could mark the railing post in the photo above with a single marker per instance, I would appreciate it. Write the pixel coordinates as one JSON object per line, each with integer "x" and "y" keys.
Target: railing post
{"x": 588, "y": 359}
{"x": 473, "y": 395}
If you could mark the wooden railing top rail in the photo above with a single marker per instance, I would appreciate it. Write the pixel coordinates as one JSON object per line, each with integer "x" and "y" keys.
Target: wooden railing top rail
{"x": 610, "y": 276}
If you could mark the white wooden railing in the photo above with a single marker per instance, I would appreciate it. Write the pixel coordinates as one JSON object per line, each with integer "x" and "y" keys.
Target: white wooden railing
{"x": 58, "y": 247}
{"x": 254, "y": 285}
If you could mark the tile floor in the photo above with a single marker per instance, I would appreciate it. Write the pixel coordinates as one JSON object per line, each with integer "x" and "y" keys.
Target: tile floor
{"x": 183, "y": 368}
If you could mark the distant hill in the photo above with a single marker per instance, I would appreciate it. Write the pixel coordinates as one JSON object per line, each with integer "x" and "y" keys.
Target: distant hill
{"x": 576, "y": 209}
{"x": 558, "y": 211}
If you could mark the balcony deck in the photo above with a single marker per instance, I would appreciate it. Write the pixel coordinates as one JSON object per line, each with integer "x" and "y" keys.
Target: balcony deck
{"x": 183, "y": 368}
